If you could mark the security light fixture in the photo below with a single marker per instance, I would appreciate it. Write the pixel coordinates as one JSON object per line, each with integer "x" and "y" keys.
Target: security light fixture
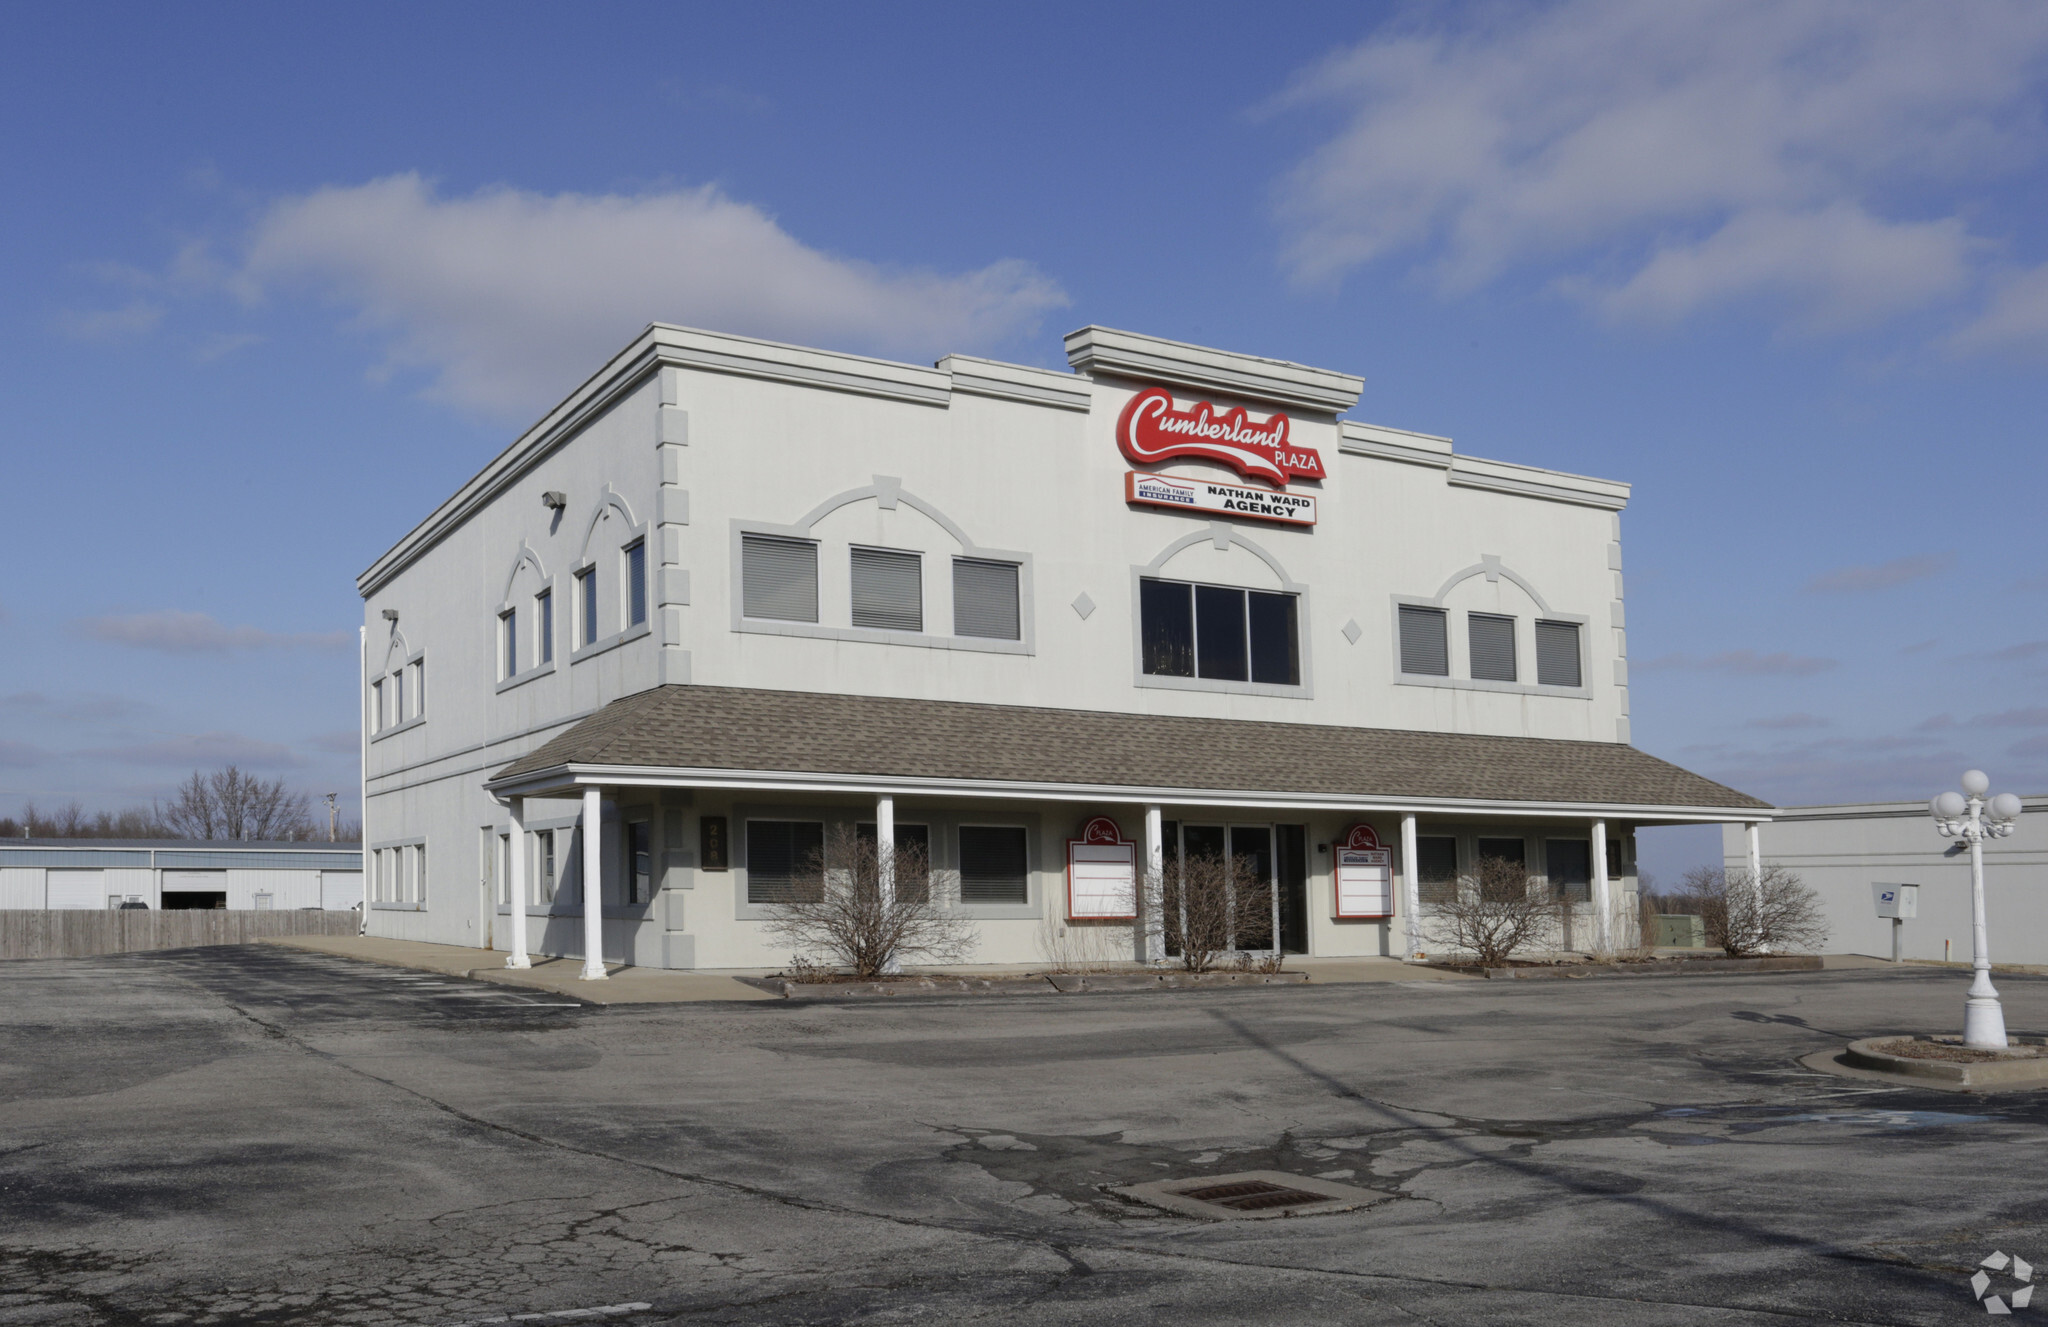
{"x": 554, "y": 499}
{"x": 391, "y": 615}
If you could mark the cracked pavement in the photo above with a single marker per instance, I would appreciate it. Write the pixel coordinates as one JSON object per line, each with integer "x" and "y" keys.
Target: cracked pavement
{"x": 262, "y": 1135}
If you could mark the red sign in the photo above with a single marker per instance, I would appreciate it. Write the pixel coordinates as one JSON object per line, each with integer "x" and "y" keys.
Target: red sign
{"x": 1150, "y": 430}
{"x": 1363, "y": 838}
{"x": 1100, "y": 829}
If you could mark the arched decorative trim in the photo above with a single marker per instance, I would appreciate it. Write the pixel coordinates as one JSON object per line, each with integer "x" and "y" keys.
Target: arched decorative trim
{"x": 1490, "y": 567}
{"x": 398, "y": 648}
{"x": 526, "y": 557}
{"x": 610, "y": 497}
{"x": 1223, "y": 536}
{"x": 887, "y": 493}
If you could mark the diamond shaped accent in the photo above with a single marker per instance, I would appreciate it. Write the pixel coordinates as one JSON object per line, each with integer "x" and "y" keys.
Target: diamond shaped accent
{"x": 1352, "y": 631}
{"x": 1083, "y": 605}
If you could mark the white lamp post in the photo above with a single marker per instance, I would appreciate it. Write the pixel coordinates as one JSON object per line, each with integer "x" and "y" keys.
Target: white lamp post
{"x": 1974, "y": 819}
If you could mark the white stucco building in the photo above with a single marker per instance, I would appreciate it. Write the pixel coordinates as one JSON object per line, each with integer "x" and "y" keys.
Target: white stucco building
{"x": 731, "y": 593}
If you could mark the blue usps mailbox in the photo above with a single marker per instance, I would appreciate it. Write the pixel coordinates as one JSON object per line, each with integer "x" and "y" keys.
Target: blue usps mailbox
{"x": 1897, "y": 902}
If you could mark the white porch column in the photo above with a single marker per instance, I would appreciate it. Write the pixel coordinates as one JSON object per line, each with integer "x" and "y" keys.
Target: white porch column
{"x": 1603, "y": 907}
{"x": 885, "y": 863}
{"x": 1154, "y": 885}
{"x": 1756, "y": 874}
{"x": 515, "y": 885}
{"x": 593, "y": 885}
{"x": 1411, "y": 887}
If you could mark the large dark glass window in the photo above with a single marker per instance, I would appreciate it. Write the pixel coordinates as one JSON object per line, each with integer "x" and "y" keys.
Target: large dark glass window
{"x": 1436, "y": 868}
{"x": 1569, "y": 863}
{"x": 1219, "y": 632}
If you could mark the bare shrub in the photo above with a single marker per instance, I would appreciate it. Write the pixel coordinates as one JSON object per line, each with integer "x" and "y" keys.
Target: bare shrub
{"x": 1215, "y": 905}
{"x": 1085, "y": 946}
{"x": 1493, "y": 913}
{"x": 1775, "y": 914}
{"x": 1646, "y": 922}
{"x": 840, "y": 915}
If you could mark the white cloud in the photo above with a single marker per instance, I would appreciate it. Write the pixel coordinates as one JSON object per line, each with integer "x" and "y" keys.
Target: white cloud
{"x": 1882, "y": 576}
{"x": 200, "y": 750}
{"x": 1747, "y": 663}
{"x": 1661, "y": 158}
{"x": 174, "y": 632}
{"x": 509, "y": 297}
{"x": 136, "y": 318}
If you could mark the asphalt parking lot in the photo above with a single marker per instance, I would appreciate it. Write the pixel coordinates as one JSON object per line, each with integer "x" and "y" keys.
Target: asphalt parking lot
{"x": 257, "y": 1135}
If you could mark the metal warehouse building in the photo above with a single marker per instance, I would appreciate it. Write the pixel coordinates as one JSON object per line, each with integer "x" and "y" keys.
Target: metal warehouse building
{"x": 178, "y": 873}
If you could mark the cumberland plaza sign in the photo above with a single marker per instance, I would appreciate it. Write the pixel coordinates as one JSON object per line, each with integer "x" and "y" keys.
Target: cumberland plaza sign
{"x": 1151, "y": 430}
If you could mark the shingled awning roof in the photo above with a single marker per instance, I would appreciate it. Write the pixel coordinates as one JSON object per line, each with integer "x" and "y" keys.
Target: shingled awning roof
{"x": 1015, "y": 748}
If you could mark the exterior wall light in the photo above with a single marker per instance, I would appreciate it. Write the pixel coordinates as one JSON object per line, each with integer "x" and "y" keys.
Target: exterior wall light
{"x": 554, "y": 499}
{"x": 1973, "y": 819}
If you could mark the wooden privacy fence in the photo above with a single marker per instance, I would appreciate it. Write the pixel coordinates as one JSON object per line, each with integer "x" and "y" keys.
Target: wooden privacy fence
{"x": 83, "y": 932}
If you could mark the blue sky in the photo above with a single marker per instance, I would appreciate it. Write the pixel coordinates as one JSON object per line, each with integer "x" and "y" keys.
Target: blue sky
{"x": 279, "y": 278}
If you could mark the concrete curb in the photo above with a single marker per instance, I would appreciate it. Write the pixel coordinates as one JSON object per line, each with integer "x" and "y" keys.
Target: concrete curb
{"x": 1049, "y": 983}
{"x": 1982, "y": 1073}
{"x": 1677, "y": 967}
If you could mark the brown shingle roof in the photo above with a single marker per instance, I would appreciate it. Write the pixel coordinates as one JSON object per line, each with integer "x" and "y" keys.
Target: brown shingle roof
{"x": 802, "y": 732}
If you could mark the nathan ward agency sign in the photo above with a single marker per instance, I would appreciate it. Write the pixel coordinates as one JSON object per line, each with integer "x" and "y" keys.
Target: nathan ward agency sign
{"x": 1258, "y": 504}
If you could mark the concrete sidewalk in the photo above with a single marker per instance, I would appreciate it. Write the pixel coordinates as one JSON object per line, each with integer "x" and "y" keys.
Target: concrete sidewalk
{"x": 627, "y": 985}
{"x": 630, "y": 985}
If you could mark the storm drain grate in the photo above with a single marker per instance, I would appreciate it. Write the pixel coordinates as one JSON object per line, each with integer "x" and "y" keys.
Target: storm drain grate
{"x": 1251, "y": 1194}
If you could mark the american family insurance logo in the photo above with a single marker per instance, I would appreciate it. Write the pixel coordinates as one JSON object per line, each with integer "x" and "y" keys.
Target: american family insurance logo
{"x": 1151, "y": 430}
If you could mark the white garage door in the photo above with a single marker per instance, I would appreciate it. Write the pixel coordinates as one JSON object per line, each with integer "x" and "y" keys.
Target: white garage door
{"x": 77, "y": 889}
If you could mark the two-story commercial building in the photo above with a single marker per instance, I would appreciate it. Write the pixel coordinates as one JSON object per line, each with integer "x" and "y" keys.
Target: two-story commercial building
{"x": 731, "y": 594}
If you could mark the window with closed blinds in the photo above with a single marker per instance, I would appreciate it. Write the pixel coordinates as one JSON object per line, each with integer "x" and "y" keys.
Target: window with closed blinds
{"x": 783, "y": 857}
{"x": 1557, "y": 654}
{"x": 888, "y": 590}
{"x": 1492, "y": 640}
{"x": 985, "y": 599}
{"x": 779, "y": 578}
{"x": 1569, "y": 864}
{"x": 1436, "y": 868}
{"x": 993, "y": 868}
{"x": 1425, "y": 642}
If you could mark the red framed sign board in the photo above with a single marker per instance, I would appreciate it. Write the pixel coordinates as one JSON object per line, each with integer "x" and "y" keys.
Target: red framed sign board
{"x": 1102, "y": 874}
{"x": 1364, "y": 875}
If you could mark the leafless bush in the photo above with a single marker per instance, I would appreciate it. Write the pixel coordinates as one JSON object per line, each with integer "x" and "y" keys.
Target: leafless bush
{"x": 1071, "y": 946}
{"x": 1646, "y": 923}
{"x": 1775, "y": 914}
{"x": 1493, "y": 913}
{"x": 228, "y": 804}
{"x": 840, "y": 914}
{"x": 1215, "y": 905}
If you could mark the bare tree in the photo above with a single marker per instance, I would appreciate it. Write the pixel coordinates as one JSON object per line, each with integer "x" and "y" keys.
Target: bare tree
{"x": 229, "y": 804}
{"x": 1493, "y": 913}
{"x": 72, "y": 822}
{"x": 1775, "y": 913}
{"x": 1215, "y": 905}
{"x": 840, "y": 913}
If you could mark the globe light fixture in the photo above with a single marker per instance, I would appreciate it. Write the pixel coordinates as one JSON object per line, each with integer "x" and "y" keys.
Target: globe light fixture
{"x": 1973, "y": 820}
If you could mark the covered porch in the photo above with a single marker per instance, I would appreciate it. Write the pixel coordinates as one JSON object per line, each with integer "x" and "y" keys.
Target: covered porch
{"x": 689, "y": 805}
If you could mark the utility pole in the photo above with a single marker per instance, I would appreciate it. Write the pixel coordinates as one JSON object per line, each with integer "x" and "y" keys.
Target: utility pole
{"x": 330, "y": 818}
